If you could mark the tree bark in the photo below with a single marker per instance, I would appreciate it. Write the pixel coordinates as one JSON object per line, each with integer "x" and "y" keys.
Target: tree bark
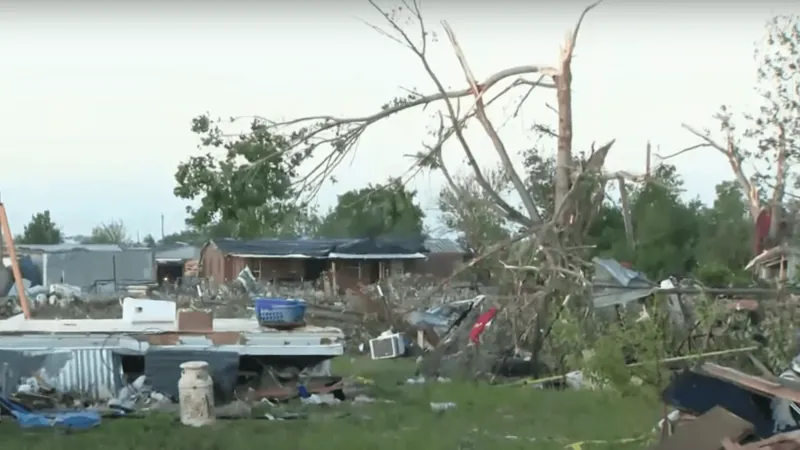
{"x": 563, "y": 83}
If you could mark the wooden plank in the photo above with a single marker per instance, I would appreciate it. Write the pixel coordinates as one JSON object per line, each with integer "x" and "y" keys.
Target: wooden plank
{"x": 707, "y": 432}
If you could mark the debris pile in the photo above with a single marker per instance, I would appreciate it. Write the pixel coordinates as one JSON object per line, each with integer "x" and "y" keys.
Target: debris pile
{"x": 724, "y": 408}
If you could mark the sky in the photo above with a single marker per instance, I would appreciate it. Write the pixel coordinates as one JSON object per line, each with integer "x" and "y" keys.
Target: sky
{"x": 96, "y": 99}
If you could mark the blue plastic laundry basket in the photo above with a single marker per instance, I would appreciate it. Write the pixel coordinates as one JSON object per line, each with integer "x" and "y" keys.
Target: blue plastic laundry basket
{"x": 276, "y": 311}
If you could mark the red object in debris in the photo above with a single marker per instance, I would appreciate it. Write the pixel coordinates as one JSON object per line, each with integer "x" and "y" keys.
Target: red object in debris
{"x": 763, "y": 222}
{"x": 626, "y": 264}
{"x": 480, "y": 324}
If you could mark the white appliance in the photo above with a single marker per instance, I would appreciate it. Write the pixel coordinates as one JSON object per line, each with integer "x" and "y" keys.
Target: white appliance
{"x": 387, "y": 346}
{"x": 142, "y": 310}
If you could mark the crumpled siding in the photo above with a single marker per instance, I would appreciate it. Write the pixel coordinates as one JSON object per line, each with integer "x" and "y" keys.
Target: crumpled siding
{"x": 93, "y": 373}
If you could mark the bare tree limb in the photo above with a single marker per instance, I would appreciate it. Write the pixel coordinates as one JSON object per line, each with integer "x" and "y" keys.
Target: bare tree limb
{"x": 511, "y": 212}
{"x": 480, "y": 113}
{"x": 682, "y": 151}
{"x": 776, "y": 203}
{"x": 735, "y": 161}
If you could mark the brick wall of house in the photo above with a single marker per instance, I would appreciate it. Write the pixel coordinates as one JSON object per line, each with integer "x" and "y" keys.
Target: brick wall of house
{"x": 212, "y": 263}
{"x": 272, "y": 269}
{"x": 224, "y": 268}
{"x": 439, "y": 265}
{"x": 348, "y": 275}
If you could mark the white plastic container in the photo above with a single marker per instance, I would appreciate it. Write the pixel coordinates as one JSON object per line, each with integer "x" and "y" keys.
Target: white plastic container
{"x": 196, "y": 392}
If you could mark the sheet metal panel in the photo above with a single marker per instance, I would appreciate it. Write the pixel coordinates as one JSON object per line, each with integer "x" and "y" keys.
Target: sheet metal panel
{"x": 93, "y": 372}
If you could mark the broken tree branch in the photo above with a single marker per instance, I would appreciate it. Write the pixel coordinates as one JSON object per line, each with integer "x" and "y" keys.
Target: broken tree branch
{"x": 511, "y": 212}
{"x": 480, "y": 113}
{"x": 563, "y": 82}
{"x": 626, "y": 212}
{"x": 735, "y": 160}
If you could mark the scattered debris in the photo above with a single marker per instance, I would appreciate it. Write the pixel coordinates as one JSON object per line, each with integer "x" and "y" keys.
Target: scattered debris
{"x": 200, "y": 351}
{"x": 421, "y": 380}
{"x": 443, "y": 406}
{"x": 724, "y": 407}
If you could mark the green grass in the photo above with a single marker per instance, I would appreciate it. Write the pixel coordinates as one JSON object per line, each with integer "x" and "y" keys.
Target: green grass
{"x": 486, "y": 417}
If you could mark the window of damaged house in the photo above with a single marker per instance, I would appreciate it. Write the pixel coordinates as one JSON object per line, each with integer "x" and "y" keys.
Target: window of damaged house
{"x": 255, "y": 267}
{"x": 352, "y": 270}
{"x": 775, "y": 270}
{"x": 397, "y": 267}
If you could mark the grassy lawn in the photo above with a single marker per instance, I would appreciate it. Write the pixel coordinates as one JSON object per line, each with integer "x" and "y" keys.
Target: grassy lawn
{"x": 486, "y": 417}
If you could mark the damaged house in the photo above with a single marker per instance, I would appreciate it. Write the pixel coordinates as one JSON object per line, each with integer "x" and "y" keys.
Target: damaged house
{"x": 176, "y": 261}
{"x": 777, "y": 264}
{"x": 442, "y": 256}
{"x": 350, "y": 261}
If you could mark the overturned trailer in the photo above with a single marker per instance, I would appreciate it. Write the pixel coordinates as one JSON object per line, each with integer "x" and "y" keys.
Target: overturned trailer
{"x": 97, "y": 358}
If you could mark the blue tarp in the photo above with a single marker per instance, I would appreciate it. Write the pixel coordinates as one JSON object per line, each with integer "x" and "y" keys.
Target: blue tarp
{"x": 74, "y": 420}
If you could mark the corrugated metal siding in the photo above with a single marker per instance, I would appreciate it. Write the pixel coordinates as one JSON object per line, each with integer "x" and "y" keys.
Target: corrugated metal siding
{"x": 94, "y": 372}
{"x": 99, "y": 270}
{"x": 621, "y": 274}
{"x": 55, "y": 248}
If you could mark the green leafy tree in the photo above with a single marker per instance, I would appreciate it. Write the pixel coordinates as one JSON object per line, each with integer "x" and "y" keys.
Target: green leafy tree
{"x": 540, "y": 171}
{"x": 246, "y": 193}
{"x": 301, "y": 222}
{"x": 40, "y": 230}
{"x": 607, "y": 232}
{"x": 470, "y": 211}
{"x": 149, "y": 241}
{"x": 666, "y": 229}
{"x": 375, "y": 210}
{"x": 726, "y": 236}
{"x": 605, "y": 229}
{"x": 467, "y": 209}
{"x": 189, "y": 236}
{"x": 113, "y": 232}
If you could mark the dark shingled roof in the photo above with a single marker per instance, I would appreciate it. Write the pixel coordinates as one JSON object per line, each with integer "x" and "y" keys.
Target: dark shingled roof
{"x": 382, "y": 246}
{"x": 315, "y": 248}
{"x": 320, "y": 248}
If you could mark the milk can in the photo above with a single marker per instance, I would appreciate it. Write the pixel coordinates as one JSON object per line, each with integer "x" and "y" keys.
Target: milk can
{"x": 196, "y": 392}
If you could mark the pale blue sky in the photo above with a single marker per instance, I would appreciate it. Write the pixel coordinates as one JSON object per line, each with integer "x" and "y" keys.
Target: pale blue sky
{"x": 96, "y": 104}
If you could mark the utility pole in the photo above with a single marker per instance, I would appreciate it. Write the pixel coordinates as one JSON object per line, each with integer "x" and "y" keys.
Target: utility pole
{"x": 5, "y": 232}
{"x": 162, "y": 227}
{"x": 2, "y": 244}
